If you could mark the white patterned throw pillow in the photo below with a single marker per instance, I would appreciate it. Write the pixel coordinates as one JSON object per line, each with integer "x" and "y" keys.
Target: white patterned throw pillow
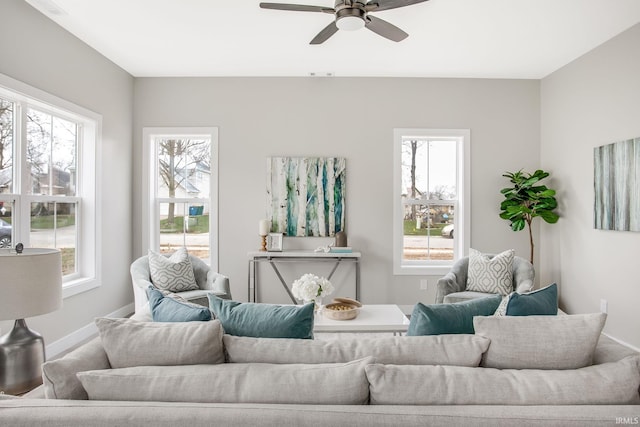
{"x": 174, "y": 274}
{"x": 490, "y": 275}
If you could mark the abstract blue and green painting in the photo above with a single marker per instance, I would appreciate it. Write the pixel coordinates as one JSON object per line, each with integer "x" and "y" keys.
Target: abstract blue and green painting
{"x": 306, "y": 195}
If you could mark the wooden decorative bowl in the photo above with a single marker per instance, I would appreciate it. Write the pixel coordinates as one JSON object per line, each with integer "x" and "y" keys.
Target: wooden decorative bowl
{"x": 342, "y": 309}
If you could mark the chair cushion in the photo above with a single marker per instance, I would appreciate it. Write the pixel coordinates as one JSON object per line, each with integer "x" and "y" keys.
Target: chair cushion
{"x": 540, "y": 342}
{"x": 165, "y": 309}
{"x": 490, "y": 275}
{"x": 317, "y": 384}
{"x": 608, "y": 384}
{"x": 131, "y": 343}
{"x": 464, "y": 296}
{"x": 456, "y": 318}
{"x": 539, "y": 302}
{"x": 174, "y": 274}
{"x": 263, "y": 320}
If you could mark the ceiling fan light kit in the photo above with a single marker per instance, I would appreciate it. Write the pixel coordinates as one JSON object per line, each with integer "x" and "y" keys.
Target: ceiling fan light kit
{"x": 350, "y": 20}
{"x": 352, "y": 15}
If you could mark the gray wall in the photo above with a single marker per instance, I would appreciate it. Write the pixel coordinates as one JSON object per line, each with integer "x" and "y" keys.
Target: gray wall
{"x": 38, "y": 52}
{"x": 593, "y": 101}
{"x": 354, "y": 118}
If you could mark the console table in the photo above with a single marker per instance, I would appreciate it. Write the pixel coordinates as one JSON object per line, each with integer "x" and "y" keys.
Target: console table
{"x": 274, "y": 258}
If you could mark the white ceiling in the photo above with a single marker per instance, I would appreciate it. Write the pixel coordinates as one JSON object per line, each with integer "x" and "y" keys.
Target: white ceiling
{"x": 447, "y": 38}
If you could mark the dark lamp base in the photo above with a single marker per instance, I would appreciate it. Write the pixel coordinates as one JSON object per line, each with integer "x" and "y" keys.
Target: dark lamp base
{"x": 21, "y": 359}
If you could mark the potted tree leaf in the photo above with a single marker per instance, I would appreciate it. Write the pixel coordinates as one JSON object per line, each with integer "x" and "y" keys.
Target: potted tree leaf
{"x": 526, "y": 200}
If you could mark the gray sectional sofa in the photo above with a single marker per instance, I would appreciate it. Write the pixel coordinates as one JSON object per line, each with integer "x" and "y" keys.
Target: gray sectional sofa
{"x": 157, "y": 374}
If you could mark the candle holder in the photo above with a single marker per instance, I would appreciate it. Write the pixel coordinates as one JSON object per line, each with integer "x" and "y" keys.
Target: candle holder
{"x": 263, "y": 230}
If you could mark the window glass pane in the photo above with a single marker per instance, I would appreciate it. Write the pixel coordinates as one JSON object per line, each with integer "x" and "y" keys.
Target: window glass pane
{"x": 189, "y": 227}
{"x": 53, "y": 225}
{"x": 51, "y": 153}
{"x": 430, "y": 235}
{"x": 184, "y": 167}
{"x": 6, "y": 221}
{"x": 6, "y": 146}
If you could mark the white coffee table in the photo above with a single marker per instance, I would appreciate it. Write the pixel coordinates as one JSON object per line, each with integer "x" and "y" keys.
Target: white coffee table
{"x": 371, "y": 318}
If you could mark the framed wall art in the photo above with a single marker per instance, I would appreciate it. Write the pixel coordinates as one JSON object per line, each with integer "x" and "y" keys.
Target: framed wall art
{"x": 617, "y": 186}
{"x": 306, "y": 195}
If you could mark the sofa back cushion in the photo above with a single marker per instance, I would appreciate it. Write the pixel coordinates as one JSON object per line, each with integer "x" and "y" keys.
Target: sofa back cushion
{"x": 59, "y": 376}
{"x": 455, "y": 318}
{"x": 613, "y": 383}
{"x": 540, "y": 342}
{"x": 131, "y": 343}
{"x": 263, "y": 320}
{"x": 461, "y": 350}
{"x": 321, "y": 384}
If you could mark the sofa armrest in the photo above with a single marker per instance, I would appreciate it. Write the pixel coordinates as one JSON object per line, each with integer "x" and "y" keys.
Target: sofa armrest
{"x": 59, "y": 376}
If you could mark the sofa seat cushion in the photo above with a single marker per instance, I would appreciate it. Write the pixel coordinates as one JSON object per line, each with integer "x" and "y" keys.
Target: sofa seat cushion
{"x": 606, "y": 384}
{"x": 263, "y": 320}
{"x": 461, "y": 350}
{"x": 321, "y": 384}
{"x": 457, "y": 318}
{"x": 540, "y": 342}
{"x": 132, "y": 343}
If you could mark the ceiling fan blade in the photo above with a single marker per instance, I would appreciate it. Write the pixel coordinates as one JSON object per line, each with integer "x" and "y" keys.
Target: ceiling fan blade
{"x": 385, "y": 29}
{"x": 327, "y": 32}
{"x": 297, "y": 7}
{"x": 377, "y": 5}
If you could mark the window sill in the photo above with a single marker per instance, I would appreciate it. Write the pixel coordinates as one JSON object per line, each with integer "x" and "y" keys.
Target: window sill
{"x": 422, "y": 270}
{"x": 79, "y": 286}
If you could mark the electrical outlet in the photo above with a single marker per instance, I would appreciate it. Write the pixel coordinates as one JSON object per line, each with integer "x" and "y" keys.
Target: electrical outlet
{"x": 424, "y": 284}
{"x": 603, "y": 305}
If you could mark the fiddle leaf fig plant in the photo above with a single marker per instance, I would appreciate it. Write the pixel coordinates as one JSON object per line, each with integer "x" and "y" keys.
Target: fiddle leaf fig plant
{"x": 528, "y": 199}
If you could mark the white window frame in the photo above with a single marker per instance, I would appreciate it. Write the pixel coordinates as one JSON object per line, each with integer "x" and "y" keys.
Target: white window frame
{"x": 462, "y": 221}
{"x": 150, "y": 213}
{"x": 88, "y": 273}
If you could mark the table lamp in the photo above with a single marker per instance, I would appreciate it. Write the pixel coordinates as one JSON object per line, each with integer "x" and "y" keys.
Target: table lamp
{"x": 30, "y": 285}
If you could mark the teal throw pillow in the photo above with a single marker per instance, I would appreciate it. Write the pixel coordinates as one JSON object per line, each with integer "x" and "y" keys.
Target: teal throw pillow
{"x": 456, "y": 318}
{"x": 263, "y": 320}
{"x": 165, "y": 309}
{"x": 536, "y": 303}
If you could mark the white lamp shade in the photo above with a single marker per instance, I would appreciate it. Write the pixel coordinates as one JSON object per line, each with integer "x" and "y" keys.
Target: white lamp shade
{"x": 30, "y": 282}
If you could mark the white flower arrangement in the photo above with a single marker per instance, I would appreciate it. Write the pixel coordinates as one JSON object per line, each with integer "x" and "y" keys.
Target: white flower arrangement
{"x": 310, "y": 287}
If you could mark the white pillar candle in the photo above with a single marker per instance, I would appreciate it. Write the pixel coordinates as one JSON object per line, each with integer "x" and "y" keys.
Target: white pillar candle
{"x": 263, "y": 227}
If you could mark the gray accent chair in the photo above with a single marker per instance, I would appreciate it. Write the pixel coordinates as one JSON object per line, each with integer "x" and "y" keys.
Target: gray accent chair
{"x": 208, "y": 281}
{"x": 453, "y": 286}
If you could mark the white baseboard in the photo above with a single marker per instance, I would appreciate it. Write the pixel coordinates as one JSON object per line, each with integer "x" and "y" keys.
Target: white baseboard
{"x": 73, "y": 339}
{"x": 622, "y": 342}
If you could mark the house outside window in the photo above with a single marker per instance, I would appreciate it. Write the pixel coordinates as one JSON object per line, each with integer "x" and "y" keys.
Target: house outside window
{"x": 48, "y": 183}
{"x": 431, "y": 199}
{"x": 181, "y": 166}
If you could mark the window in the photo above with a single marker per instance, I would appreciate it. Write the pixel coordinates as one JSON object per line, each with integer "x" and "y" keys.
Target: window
{"x": 181, "y": 190}
{"x": 431, "y": 199}
{"x": 48, "y": 179}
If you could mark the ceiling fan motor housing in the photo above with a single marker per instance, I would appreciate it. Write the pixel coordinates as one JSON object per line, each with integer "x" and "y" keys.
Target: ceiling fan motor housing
{"x": 350, "y": 17}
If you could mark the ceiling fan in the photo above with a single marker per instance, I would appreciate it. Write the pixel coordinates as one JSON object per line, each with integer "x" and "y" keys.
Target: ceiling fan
{"x": 352, "y": 15}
